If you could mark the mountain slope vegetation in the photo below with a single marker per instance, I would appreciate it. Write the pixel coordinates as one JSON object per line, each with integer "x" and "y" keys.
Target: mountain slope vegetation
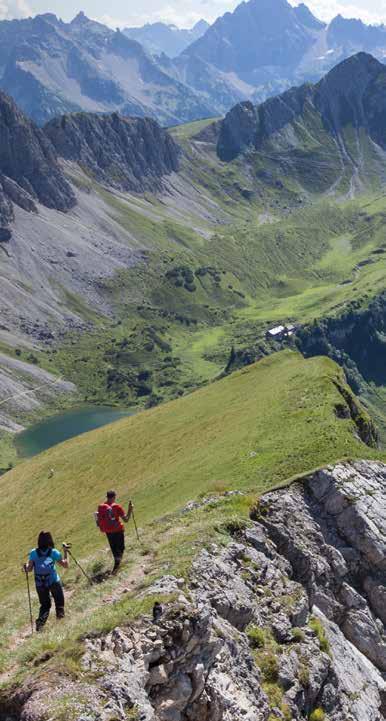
{"x": 142, "y": 295}
{"x": 249, "y": 432}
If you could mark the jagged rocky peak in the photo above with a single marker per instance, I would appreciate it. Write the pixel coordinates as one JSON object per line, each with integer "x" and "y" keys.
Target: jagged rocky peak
{"x": 158, "y": 38}
{"x": 230, "y": 43}
{"x": 306, "y": 17}
{"x": 29, "y": 170}
{"x": 238, "y": 130}
{"x": 352, "y": 32}
{"x": 126, "y": 153}
{"x": 354, "y": 92}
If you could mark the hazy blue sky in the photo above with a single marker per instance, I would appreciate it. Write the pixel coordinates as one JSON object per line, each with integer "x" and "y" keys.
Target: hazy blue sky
{"x": 181, "y": 12}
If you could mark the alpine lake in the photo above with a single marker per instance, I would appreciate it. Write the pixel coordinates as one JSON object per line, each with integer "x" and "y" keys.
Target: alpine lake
{"x": 63, "y": 426}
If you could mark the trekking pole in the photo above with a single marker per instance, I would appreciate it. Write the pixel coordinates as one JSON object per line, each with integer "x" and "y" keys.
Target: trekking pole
{"x": 135, "y": 526}
{"x": 29, "y": 600}
{"x": 68, "y": 547}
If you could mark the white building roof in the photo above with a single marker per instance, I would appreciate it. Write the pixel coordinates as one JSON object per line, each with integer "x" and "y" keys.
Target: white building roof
{"x": 276, "y": 331}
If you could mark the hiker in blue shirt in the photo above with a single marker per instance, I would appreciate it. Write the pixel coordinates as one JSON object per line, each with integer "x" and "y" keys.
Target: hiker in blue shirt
{"x": 43, "y": 560}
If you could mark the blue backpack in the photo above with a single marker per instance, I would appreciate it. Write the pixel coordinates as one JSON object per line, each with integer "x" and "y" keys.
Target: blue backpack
{"x": 44, "y": 567}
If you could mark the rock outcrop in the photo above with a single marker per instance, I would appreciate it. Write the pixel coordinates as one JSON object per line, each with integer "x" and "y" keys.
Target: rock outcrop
{"x": 29, "y": 170}
{"x": 286, "y": 621}
{"x": 125, "y": 153}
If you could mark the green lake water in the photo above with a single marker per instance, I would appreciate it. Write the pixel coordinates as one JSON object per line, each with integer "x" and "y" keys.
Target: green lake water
{"x": 63, "y": 426}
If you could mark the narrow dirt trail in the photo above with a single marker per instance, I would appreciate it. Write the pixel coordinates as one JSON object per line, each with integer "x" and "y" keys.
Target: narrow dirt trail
{"x": 126, "y": 582}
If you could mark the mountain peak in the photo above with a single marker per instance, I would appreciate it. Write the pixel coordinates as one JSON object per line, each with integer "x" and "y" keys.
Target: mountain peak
{"x": 355, "y": 67}
{"x": 201, "y": 26}
{"x": 307, "y": 18}
{"x": 350, "y": 95}
{"x": 230, "y": 44}
{"x": 80, "y": 19}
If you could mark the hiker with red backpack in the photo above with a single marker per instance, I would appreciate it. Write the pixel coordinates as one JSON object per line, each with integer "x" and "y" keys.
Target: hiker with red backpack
{"x": 110, "y": 519}
{"x": 43, "y": 560}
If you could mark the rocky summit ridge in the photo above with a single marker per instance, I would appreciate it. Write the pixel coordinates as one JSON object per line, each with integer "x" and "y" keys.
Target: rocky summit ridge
{"x": 125, "y": 153}
{"x": 286, "y": 621}
{"x": 131, "y": 154}
{"x": 353, "y": 93}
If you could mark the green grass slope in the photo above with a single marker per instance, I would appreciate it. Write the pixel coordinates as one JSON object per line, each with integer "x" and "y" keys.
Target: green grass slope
{"x": 249, "y": 431}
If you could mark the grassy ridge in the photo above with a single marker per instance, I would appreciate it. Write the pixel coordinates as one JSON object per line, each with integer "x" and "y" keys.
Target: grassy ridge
{"x": 251, "y": 430}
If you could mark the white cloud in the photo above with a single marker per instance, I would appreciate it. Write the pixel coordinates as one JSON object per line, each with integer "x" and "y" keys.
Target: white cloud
{"x": 111, "y": 22}
{"x": 183, "y": 13}
{"x": 14, "y": 9}
{"x": 187, "y": 12}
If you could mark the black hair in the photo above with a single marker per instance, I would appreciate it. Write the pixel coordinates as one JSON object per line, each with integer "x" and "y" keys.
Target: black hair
{"x": 111, "y": 494}
{"x": 45, "y": 541}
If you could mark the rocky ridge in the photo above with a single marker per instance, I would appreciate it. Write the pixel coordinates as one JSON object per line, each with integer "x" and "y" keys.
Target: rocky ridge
{"x": 130, "y": 154}
{"x": 29, "y": 169}
{"x": 352, "y": 94}
{"x": 286, "y": 621}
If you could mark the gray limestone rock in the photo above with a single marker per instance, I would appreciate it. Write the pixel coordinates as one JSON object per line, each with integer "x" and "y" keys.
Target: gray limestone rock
{"x": 125, "y": 153}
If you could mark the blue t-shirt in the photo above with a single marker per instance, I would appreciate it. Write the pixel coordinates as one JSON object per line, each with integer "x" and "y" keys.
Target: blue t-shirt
{"x": 44, "y": 566}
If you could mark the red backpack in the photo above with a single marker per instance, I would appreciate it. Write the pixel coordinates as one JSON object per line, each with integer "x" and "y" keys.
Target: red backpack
{"x": 107, "y": 520}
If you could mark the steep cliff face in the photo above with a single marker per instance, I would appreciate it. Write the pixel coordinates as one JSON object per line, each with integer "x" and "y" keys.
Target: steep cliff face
{"x": 29, "y": 170}
{"x": 125, "y": 153}
{"x": 288, "y": 621}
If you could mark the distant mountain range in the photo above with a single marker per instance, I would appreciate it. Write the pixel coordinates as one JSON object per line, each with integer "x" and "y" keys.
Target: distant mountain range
{"x": 293, "y": 47}
{"x": 158, "y": 38}
{"x": 51, "y": 67}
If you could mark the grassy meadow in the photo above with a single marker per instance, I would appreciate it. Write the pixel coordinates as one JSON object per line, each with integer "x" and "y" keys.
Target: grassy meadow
{"x": 249, "y": 431}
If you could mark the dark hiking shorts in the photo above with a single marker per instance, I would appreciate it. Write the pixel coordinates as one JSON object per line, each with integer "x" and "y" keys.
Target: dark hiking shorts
{"x": 117, "y": 544}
